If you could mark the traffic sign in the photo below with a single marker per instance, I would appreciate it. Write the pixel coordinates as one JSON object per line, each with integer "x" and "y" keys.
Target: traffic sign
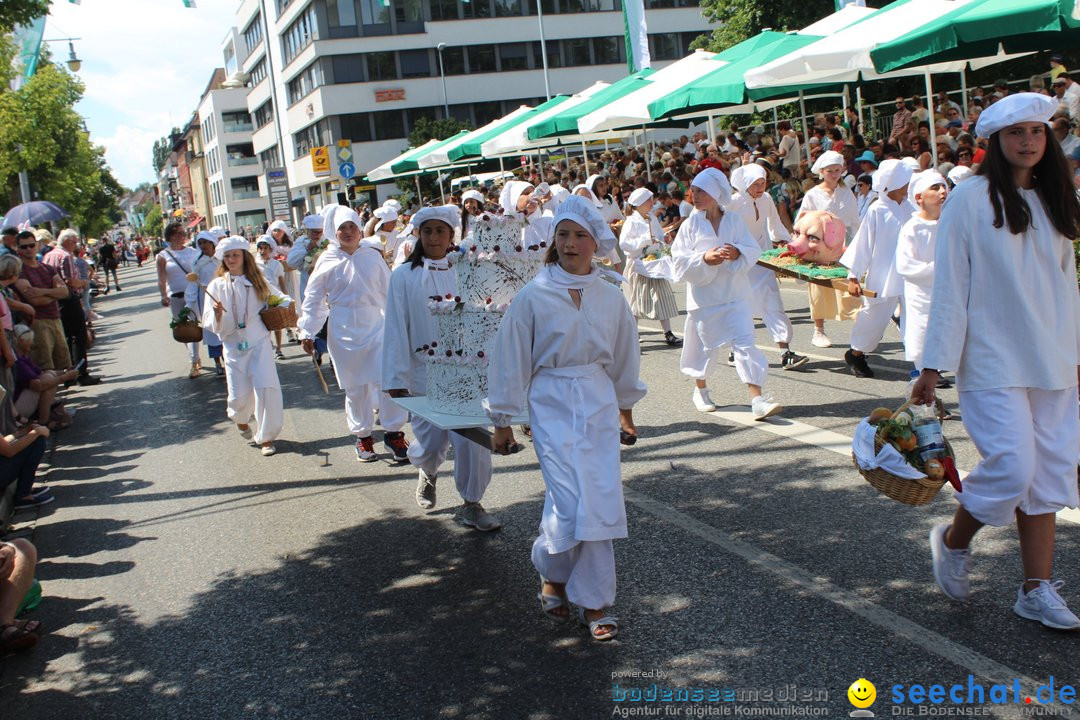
{"x": 347, "y": 170}
{"x": 320, "y": 161}
{"x": 344, "y": 151}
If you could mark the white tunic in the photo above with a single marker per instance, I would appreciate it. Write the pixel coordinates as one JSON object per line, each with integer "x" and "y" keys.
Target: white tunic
{"x": 177, "y": 265}
{"x": 763, "y": 222}
{"x": 272, "y": 270}
{"x": 915, "y": 264}
{"x": 355, "y": 288}
{"x": 408, "y": 316}
{"x": 841, "y": 203}
{"x": 295, "y": 259}
{"x": 639, "y": 233}
{"x": 873, "y": 251}
{"x": 713, "y": 285}
{"x": 1006, "y": 311}
{"x": 206, "y": 267}
{"x": 247, "y": 350}
{"x": 578, "y": 366}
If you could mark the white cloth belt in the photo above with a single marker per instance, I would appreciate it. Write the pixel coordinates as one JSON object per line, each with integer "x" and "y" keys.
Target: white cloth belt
{"x": 575, "y": 374}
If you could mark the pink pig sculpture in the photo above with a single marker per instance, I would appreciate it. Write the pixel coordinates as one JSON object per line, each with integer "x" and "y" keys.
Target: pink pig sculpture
{"x": 818, "y": 237}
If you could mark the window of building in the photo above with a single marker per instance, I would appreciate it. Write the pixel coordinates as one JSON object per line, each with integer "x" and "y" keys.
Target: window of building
{"x": 476, "y": 9}
{"x": 374, "y": 16}
{"x": 462, "y": 112}
{"x": 348, "y": 68}
{"x": 230, "y": 61}
{"x": 381, "y": 66}
{"x": 513, "y": 56}
{"x": 590, "y": 5}
{"x": 241, "y": 155}
{"x": 576, "y": 52}
{"x": 551, "y": 7}
{"x": 212, "y": 161}
{"x": 253, "y": 33}
{"x": 444, "y": 9}
{"x": 308, "y": 79}
{"x": 482, "y": 59}
{"x": 415, "y": 63}
{"x": 389, "y": 124}
{"x": 553, "y": 58}
{"x": 414, "y": 115}
{"x": 662, "y": 4}
{"x": 485, "y": 112}
{"x": 453, "y": 60}
{"x": 315, "y": 135}
{"x": 341, "y": 18}
{"x": 408, "y": 12}
{"x": 664, "y": 47}
{"x": 270, "y": 157}
{"x": 245, "y": 188}
{"x": 507, "y": 8}
{"x": 208, "y": 129}
{"x": 356, "y": 127}
{"x": 257, "y": 74}
{"x": 264, "y": 114}
{"x": 299, "y": 35}
{"x": 608, "y": 50}
{"x": 249, "y": 220}
{"x": 281, "y": 5}
{"x": 236, "y": 121}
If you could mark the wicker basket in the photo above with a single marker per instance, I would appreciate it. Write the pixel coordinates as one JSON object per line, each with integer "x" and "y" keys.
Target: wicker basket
{"x": 188, "y": 332}
{"x": 910, "y": 492}
{"x": 279, "y": 317}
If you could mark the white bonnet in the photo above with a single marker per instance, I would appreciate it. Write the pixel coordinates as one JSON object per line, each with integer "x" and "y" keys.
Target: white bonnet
{"x": 746, "y": 175}
{"x": 715, "y": 183}
{"x": 1017, "y": 108}
{"x": 581, "y": 211}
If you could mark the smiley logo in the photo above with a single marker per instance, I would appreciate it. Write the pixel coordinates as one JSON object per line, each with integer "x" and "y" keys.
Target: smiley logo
{"x": 862, "y": 693}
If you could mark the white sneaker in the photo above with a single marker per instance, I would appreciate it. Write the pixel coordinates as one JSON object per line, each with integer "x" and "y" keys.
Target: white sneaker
{"x": 425, "y": 490}
{"x": 702, "y": 401}
{"x": 1045, "y": 605}
{"x": 820, "y": 339}
{"x": 268, "y": 450}
{"x": 762, "y": 407}
{"x": 951, "y": 567}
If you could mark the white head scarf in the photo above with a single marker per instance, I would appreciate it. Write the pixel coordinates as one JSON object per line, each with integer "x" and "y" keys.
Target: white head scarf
{"x": 313, "y": 222}
{"x": 891, "y": 175}
{"x": 233, "y": 242}
{"x": 959, "y": 174}
{"x": 558, "y": 194}
{"x": 472, "y": 195}
{"x": 218, "y": 232}
{"x": 912, "y": 163}
{"x": 510, "y": 193}
{"x": 640, "y": 196}
{"x": 590, "y": 183}
{"x": 715, "y": 183}
{"x": 926, "y": 180}
{"x": 745, "y": 176}
{"x": 827, "y": 158}
{"x": 385, "y": 214}
{"x": 338, "y": 216}
{"x": 393, "y": 203}
{"x": 267, "y": 240}
{"x": 1012, "y": 109}
{"x": 278, "y": 225}
{"x": 595, "y": 200}
{"x": 581, "y": 211}
{"x": 449, "y": 214}
{"x": 208, "y": 236}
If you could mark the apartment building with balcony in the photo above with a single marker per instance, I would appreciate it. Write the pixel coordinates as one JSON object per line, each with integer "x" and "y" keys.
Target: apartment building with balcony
{"x": 319, "y": 71}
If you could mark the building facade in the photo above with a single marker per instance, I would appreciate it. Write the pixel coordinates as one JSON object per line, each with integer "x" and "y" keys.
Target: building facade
{"x": 320, "y": 71}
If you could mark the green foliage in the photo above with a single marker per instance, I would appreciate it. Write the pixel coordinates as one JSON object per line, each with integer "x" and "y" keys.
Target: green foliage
{"x": 423, "y": 130}
{"x": 154, "y": 224}
{"x": 162, "y": 148}
{"x": 41, "y": 133}
{"x": 20, "y": 12}
{"x": 743, "y": 19}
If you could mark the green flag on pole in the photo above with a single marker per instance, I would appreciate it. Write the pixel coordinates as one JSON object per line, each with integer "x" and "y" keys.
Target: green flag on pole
{"x": 637, "y": 35}
{"x": 28, "y": 45}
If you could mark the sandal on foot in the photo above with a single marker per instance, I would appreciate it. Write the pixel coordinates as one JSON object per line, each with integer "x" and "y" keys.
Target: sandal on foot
{"x": 595, "y": 625}
{"x": 19, "y": 636}
{"x": 550, "y": 603}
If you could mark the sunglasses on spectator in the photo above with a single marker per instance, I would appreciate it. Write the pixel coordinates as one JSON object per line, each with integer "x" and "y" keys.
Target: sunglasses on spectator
{"x": 28, "y": 247}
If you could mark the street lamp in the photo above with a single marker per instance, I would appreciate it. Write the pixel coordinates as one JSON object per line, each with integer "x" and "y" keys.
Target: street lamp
{"x": 73, "y": 62}
{"x": 442, "y": 75}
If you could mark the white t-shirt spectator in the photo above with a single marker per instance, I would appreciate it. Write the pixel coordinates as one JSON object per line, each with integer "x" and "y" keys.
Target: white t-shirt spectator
{"x": 1072, "y": 100}
{"x": 789, "y": 148}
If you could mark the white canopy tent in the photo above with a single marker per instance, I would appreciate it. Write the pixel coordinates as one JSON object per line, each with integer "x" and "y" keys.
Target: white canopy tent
{"x": 440, "y": 156}
{"x": 386, "y": 172}
{"x": 516, "y": 139}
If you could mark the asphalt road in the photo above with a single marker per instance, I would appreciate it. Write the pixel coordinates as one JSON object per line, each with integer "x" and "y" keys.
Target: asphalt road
{"x": 187, "y": 576}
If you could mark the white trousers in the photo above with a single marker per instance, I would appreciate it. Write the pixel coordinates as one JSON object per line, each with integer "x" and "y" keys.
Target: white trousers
{"x": 360, "y": 404}
{"x": 176, "y": 304}
{"x": 264, "y": 403}
{"x": 769, "y": 305}
{"x": 587, "y": 569}
{"x": 870, "y": 323}
{"x": 1028, "y": 439}
{"x": 709, "y": 329}
{"x": 472, "y": 463}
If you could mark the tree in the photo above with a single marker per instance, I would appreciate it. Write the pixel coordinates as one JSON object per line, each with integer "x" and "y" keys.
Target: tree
{"x": 153, "y": 224}
{"x": 425, "y": 129}
{"x": 162, "y": 148}
{"x": 20, "y": 12}
{"x": 743, "y": 19}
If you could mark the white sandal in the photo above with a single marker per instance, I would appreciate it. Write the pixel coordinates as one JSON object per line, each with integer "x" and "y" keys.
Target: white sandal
{"x": 550, "y": 603}
{"x": 593, "y": 625}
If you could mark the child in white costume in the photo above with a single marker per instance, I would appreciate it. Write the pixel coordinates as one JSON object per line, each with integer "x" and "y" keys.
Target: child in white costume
{"x": 641, "y": 235}
{"x": 570, "y": 344}
{"x": 517, "y": 201}
{"x": 712, "y": 253}
{"x": 834, "y": 196}
{"x": 871, "y": 258}
{"x": 205, "y": 270}
{"x": 756, "y": 208}
{"x": 312, "y": 237}
{"x": 1006, "y": 317}
{"x": 410, "y": 324}
{"x": 915, "y": 260}
{"x": 349, "y": 286}
{"x": 231, "y": 310}
{"x": 385, "y": 230}
{"x": 274, "y": 272}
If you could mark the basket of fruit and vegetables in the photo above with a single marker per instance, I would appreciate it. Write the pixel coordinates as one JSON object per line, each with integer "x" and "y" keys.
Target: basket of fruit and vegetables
{"x": 900, "y": 468}
{"x": 185, "y": 327}
{"x": 278, "y": 313}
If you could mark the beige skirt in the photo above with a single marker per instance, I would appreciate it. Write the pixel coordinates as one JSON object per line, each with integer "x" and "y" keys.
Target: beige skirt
{"x": 651, "y": 298}
{"x": 829, "y": 304}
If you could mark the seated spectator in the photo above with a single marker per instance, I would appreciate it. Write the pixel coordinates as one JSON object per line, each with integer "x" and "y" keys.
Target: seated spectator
{"x": 1057, "y": 65}
{"x": 1063, "y": 132}
{"x": 20, "y": 455}
{"x": 17, "y": 560}
{"x": 35, "y": 389}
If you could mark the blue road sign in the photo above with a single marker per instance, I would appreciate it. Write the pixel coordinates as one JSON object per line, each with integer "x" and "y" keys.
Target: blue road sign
{"x": 346, "y": 170}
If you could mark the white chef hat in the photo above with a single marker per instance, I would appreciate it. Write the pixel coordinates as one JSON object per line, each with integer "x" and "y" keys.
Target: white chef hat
{"x": 511, "y": 192}
{"x": 472, "y": 195}
{"x": 208, "y": 236}
{"x": 959, "y": 174}
{"x": 595, "y": 201}
{"x": 891, "y": 175}
{"x": 312, "y": 222}
{"x": 1017, "y": 108}
{"x": 234, "y": 242}
{"x": 385, "y": 214}
{"x": 581, "y": 211}
{"x": 449, "y": 214}
{"x": 335, "y": 218}
{"x": 640, "y": 196}
{"x": 267, "y": 240}
{"x": 218, "y": 232}
{"x": 746, "y": 175}
{"x": 278, "y": 225}
{"x": 911, "y": 163}
{"x": 393, "y": 203}
{"x": 826, "y": 159}
{"x": 715, "y": 183}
